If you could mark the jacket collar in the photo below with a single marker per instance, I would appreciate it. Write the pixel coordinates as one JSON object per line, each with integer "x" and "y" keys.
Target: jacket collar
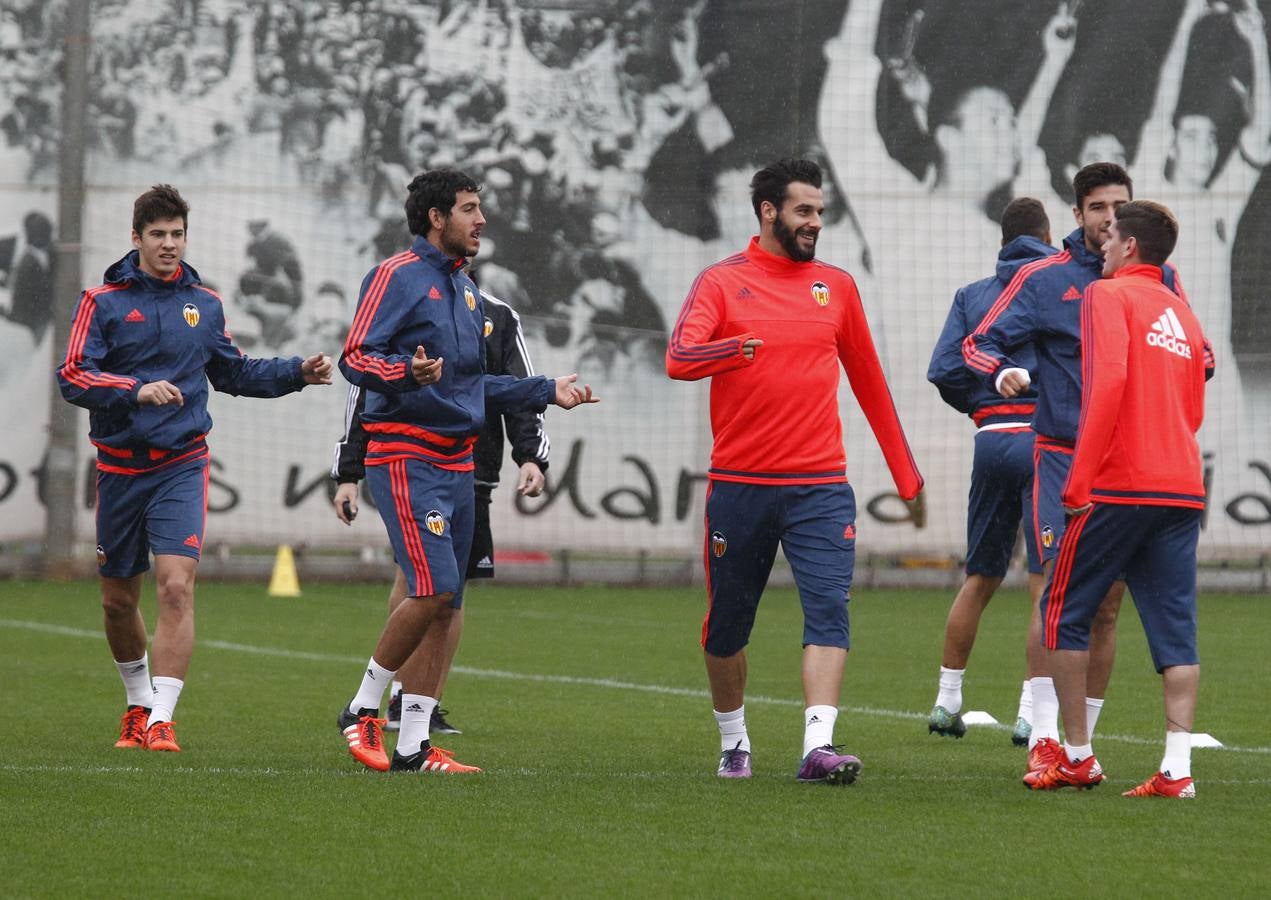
{"x": 1143, "y": 270}
{"x": 1075, "y": 244}
{"x": 770, "y": 262}
{"x": 424, "y": 249}
{"x": 129, "y": 269}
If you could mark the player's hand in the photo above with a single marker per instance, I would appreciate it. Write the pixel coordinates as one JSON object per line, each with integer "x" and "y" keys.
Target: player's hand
{"x": 425, "y": 370}
{"x": 317, "y": 369}
{"x": 345, "y": 503}
{"x": 918, "y": 509}
{"x": 748, "y": 349}
{"x": 160, "y": 393}
{"x": 569, "y": 394}
{"x": 1074, "y": 511}
{"x": 530, "y": 481}
{"x": 1013, "y": 384}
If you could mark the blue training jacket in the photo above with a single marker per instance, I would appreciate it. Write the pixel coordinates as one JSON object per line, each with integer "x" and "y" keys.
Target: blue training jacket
{"x": 135, "y": 329}
{"x": 1042, "y": 306}
{"x": 421, "y": 297}
{"x": 948, "y": 372}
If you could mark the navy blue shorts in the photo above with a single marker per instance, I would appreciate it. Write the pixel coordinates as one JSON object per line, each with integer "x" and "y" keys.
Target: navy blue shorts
{"x": 1155, "y": 548}
{"x": 815, "y": 525}
{"x": 1001, "y": 498}
{"x": 1051, "y": 462}
{"x": 163, "y": 510}
{"x": 428, "y": 513}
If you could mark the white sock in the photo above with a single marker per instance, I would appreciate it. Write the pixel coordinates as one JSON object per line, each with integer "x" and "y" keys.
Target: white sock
{"x": 416, "y": 714}
{"x": 950, "y": 696}
{"x": 818, "y": 727}
{"x": 732, "y": 730}
{"x": 395, "y": 689}
{"x": 1077, "y": 753}
{"x": 1094, "y": 706}
{"x": 1026, "y": 702}
{"x": 1178, "y": 755}
{"x": 1045, "y": 711}
{"x": 373, "y": 683}
{"x": 166, "y": 693}
{"x": 136, "y": 676}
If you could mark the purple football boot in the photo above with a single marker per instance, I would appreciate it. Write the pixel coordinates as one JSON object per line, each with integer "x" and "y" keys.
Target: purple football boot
{"x": 734, "y": 763}
{"x": 826, "y": 764}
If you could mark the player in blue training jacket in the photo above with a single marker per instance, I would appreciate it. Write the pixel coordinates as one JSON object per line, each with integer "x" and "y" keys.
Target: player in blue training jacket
{"x": 1001, "y": 473}
{"x": 1042, "y": 305}
{"x": 417, "y": 346}
{"x": 143, "y": 348}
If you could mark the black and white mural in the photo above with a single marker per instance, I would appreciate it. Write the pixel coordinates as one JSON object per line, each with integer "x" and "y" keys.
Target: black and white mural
{"x": 615, "y": 141}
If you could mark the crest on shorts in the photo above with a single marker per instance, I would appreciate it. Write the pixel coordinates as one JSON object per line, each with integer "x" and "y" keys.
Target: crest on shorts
{"x": 849, "y": 533}
{"x": 821, "y": 293}
{"x": 436, "y": 522}
{"x": 1048, "y": 537}
{"x": 101, "y": 556}
{"x": 719, "y": 544}
{"x": 191, "y": 313}
{"x": 469, "y": 297}
{"x": 489, "y": 328}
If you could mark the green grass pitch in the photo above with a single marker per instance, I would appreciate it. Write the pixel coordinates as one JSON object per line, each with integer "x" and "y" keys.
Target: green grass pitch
{"x": 587, "y": 708}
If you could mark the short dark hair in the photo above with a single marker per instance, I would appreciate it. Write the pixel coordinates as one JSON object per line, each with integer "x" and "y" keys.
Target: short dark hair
{"x": 162, "y": 201}
{"x": 1025, "y": 216}
{"x": 436, "y": 189}
{"x": 1097, "y": 175}
{"x": 771, "y": 181}
{"x": 1152, "y": 225}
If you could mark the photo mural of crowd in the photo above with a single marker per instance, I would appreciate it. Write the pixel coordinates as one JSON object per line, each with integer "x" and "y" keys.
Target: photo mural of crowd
{"x": 591, "y": 120}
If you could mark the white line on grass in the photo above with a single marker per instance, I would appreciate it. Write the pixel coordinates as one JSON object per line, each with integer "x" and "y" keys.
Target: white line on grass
{"x": 696, "y": 693}
{"x": 308, "y": 772}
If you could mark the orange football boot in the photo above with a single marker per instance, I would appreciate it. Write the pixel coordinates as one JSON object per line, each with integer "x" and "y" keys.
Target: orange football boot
{"x": 365, "y": 735}
{"x": 1045, "y": 753}
{"x": 1160, "y": 786}
{"x": 1085, "y": 775}
{"x": 132, "y": 728}
{"x": 162, "y": 736}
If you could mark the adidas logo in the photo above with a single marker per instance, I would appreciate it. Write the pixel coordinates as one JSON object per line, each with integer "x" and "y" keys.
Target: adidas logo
{"x": 192, "y": 541}
{"x": 134, "y": 316}
{"x": 1072, "y": 293}
{"x": 485, "y": 563}
{"x": 1167, "y": 332}
{"x": 414, "y": 707}
{"x": 433, "y": 293}
{"x": 137, "y": 668}
{"x": 745, "y": 294}
{"x": 814, "y": 720}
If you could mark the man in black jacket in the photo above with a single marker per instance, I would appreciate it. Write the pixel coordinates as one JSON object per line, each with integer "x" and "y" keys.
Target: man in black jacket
{"x": 505, "y": 355}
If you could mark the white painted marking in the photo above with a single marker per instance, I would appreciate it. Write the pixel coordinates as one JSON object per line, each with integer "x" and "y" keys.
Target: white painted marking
{"x": 695, "y": 693}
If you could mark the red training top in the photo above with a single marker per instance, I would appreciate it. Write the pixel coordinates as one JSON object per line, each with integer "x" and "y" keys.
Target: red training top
{"x": 775, "y": 418}
{"x": 1143, "y": 395}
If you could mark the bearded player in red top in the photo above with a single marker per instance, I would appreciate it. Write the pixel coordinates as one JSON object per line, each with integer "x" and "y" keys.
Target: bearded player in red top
{"x": 772, "y": 325}
{"x": 1134, "y": 493}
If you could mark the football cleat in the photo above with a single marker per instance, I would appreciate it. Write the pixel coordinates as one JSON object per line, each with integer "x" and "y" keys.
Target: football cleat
{"x": 431, "y": 759}
{"x": 1160, "y": 786}
{"x": 734, "y": 763}
{"x": 132, "y": 727}
{"x": 162, "y": 736}
{"x": 1045, "y": 753}
{"x": 828, "y": 766}
{"x": 941, "y": 721}
{"x": 1064, "y": 773}
{"x": 1023, "y": 731}
{"x": 438, "y": 724}
{"x": 364, "y": 731}
{"x": 393, "y": 721}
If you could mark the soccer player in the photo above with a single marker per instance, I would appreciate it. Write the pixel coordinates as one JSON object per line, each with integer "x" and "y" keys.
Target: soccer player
{"x": 1042, "y": 305}
{"x": 143, "y": 348}
{"x": 505, "y": 355}
{"x": 1135, "y": 493}
{"x": 1001, "y": 474}
{"x": 771, "y": 327}
{"x": 423, "y": 414}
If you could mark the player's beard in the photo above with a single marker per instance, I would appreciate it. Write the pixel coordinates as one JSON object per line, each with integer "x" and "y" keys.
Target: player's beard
{"x": 786, "y": 238}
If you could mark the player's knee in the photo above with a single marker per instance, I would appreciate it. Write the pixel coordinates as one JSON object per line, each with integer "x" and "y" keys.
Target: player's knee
{"x": 118, "y": 604}
{"x": 175, "y": 591}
